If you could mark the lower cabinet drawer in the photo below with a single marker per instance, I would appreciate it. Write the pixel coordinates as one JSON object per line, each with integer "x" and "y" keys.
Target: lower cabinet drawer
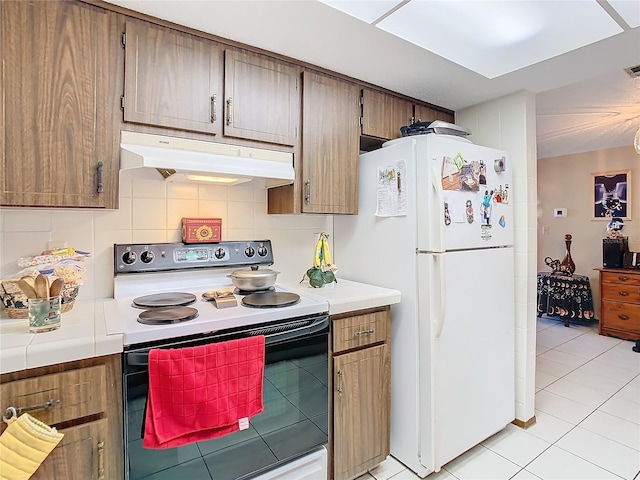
{"x": 359, "y": 330}
{"x": 72, "y": 394}
{"x": 621, "y": 293}
{"x": 621, "y": 316}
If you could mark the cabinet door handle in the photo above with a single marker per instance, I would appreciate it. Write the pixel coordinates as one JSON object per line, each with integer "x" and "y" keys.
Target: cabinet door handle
{"x": 307, "y": 192}
{"x": 214, "y": 115}
{"x": 101, "y": 460}
{"x": 230, "y": 111}
{"x": 340, "y": 382}
{"x": 623, "y": 317}
{"x": 100, "y": 168}
{"x": 363, "y": 332}
{"x": 623, "y": 279}
{"x": 623, "y": 294}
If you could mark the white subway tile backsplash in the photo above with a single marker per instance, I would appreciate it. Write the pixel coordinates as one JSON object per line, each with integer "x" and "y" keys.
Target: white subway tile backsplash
{"x": 148, "y": 236}
{"x": 241, "y": 194}
{"x": 179, "y": 208}
{"x": 240, "y": 215}
{"x": 27, "y": 220}
{"x": 149, "y": 213}
{"x": 213, "y": 192}
{"x": 182, "y": 190}
{"x": 106, "y": 220}
{"x": 143, "y": 188}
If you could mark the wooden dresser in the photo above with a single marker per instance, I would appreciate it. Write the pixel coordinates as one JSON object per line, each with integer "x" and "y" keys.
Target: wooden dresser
{"x": 620, "y": 303}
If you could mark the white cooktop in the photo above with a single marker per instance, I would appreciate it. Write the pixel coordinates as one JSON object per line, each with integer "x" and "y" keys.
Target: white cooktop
{"x": 121, "y": 316}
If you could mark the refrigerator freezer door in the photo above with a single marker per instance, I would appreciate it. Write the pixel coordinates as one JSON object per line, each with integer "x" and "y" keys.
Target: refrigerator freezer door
{"x": 472, "y": 358}
{"x": 464, "y": 195}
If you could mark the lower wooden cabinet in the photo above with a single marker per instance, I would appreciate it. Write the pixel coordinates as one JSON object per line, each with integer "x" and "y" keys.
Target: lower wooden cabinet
{"x": 361, "y": 398}
{"x": 620, "y": 303}
{"x": 83, "y": 400}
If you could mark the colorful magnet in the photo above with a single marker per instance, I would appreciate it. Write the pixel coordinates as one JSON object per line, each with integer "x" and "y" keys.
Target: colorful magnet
{"x": 502, "y": 221}
{"x": 469, "y": 211}
{"x": 447, "y": 216}
{"x": 486, "y": 207}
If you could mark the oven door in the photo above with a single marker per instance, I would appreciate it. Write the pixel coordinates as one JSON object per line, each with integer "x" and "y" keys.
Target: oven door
{"x": 294, "y": 421}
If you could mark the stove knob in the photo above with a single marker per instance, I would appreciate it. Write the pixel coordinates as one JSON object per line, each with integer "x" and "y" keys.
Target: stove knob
{"x": 262, "y": 251}
{"x": 129, "y": 258}
{"x": 219, "y": 253}
{"x": 249, "y": 251}
{"x": 147, "y": 257}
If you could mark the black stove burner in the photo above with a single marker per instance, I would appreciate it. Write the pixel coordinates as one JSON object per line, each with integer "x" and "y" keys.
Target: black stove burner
{"x": 161, "y": 300}
{"x": 270, "y": 299}
{"x": 167, "y": 315}
{"x": 238, "y": 291}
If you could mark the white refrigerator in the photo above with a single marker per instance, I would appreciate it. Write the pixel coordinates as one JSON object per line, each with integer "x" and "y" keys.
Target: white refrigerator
{"x": 435, "y": 221}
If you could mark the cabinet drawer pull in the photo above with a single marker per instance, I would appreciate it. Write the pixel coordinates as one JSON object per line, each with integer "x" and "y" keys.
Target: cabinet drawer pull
{"x": 11, "y": 412}
{"x": 340, "y": 382}
{"x": 363, "y": 332}
{"x": 230, "y": 111}
{"x": 100, "y": 184}
{"x": 101, "y": 460}
{"x": 623, "y": 317}
{"x": 623, "y": 294}
{"x": 307, "y": 192}
{"x": 623, "y": 279}
{"x": 214, "y": 115}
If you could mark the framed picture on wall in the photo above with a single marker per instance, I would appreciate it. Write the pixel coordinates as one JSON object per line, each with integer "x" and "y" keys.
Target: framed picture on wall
{"x": 611, "y": 195}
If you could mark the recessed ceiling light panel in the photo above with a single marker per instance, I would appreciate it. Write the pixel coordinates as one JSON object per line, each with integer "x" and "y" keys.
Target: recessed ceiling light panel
{"x": 629, "y": 10}
{"x": 363, "y": 10}
{"x": 493, "y": 38}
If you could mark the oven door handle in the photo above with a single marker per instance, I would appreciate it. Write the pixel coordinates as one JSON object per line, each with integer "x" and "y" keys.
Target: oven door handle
{"x": 318, "y": 325}
{"x": 141, "y": 358}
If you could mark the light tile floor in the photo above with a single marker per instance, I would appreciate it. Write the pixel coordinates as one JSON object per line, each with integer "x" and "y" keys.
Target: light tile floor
{"x": 587, "y": 410}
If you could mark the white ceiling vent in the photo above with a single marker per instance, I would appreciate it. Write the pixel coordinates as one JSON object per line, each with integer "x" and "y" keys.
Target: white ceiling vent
{"x": 633, "y": 71}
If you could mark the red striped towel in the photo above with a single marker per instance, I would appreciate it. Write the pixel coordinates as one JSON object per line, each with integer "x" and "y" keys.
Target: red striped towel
{"x": 200, "y": 393}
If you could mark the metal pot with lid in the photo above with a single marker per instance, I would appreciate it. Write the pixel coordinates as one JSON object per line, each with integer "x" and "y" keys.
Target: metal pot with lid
{"x": 254, "y": 279}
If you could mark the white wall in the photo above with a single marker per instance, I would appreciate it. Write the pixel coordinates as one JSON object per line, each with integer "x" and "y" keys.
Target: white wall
{"x": 509, "y": 123}
{"x": 151, "y": 211}
{"x": 566, "y": 182}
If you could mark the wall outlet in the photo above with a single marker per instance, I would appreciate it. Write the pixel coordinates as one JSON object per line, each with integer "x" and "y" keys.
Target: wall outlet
{"x": 545, "y": 230}
{"x": 559, "y": 212}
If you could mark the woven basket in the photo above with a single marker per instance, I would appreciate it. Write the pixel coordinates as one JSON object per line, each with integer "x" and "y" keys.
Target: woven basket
{"x": 14, "y": 301}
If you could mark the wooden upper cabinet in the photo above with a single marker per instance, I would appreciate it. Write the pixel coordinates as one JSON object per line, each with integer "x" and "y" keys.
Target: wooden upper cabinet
{"x": 330, "y": 145}
{"x": 172, "y": 79}
{"x": 58, "y": 149}
{"x": 261, "y": 98}
{"x": 384, "y": 114}
{"x": 425, "y": 113}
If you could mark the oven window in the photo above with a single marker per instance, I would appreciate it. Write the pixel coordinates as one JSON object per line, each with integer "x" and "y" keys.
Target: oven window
{"x": 293, "y": 423}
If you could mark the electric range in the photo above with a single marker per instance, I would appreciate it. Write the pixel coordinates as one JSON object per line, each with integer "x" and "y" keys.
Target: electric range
{"x": 145, "y": 269}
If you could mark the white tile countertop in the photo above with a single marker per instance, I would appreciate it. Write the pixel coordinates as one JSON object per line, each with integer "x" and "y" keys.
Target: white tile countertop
{"x": 83, "y": 332}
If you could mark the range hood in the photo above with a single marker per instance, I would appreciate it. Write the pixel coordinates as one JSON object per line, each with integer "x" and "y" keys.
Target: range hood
{"x": 181, "y": 159}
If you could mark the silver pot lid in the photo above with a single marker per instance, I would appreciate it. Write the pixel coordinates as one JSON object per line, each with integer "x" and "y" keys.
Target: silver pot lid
{"x": 264, "y": 273}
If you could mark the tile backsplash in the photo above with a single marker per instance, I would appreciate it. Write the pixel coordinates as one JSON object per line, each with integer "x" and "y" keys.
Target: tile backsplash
{"x": 151, "y": 210}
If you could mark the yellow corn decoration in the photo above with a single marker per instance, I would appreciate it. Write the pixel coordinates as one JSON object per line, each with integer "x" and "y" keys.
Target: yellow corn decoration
{"x": 325, "y": 251}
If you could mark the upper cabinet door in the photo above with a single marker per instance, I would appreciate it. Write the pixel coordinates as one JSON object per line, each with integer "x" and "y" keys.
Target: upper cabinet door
{"x": 172, "y": 79}
{"x": 262, "y": 100}
{"x": 384, "y": 114}
{"x": 58, "y": 149}
{"x": 425, "y": 113}
{"x": 330, "y": 145}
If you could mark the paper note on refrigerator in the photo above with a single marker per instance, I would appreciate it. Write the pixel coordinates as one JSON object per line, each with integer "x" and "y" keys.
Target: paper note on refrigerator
{"x": 392, "y": 190}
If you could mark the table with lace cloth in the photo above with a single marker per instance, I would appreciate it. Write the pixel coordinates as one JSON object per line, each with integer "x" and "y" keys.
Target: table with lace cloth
{"x": 566, "y": 296}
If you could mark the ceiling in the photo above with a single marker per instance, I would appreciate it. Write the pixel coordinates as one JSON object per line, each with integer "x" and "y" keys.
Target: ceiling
{"x": 584, "y": 99}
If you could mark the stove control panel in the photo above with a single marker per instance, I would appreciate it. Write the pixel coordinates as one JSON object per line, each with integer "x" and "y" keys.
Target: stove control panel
{"x": 152, "y": 257}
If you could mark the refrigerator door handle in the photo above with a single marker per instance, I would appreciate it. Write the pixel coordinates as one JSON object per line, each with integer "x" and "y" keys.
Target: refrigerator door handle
{"x": 436, "y": 214}
{"x": 442, "y": 304}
